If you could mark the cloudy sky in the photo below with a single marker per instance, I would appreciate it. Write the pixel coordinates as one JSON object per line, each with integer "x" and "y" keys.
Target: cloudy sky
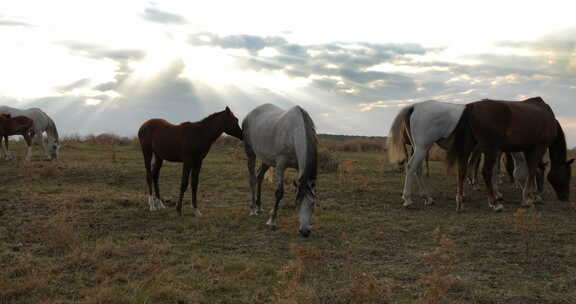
{"x": 107, "y": 66}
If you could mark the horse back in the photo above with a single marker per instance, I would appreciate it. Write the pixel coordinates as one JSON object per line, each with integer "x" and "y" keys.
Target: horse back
{"x": 175, "y": 143}
{"x": 512, "y": 125}
{"x": 270, "y": 132}
{"x": 161, "y": 138}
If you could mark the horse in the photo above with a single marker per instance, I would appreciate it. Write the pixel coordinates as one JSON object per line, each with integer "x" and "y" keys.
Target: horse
{"x": 421, "y": 125}
{"x": 42, "y": 123}
{"x": 19, "y": 125}
{"x": 282, "y": 139}
{"x": 527, "y": 126}
{"x": 187, "y": 143}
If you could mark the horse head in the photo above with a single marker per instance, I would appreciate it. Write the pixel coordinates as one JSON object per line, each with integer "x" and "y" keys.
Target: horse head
{"x": 231, "y": 126}
{"x": 53, "y": 148}
{"x": 307, "y": 199}
{"x": 559, "y": 177}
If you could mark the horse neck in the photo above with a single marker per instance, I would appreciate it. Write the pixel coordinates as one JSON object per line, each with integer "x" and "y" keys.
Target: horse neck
{"x": 51, "y": 131}
{"x": 213, "y": 128}
{"x": 558, "y": 150}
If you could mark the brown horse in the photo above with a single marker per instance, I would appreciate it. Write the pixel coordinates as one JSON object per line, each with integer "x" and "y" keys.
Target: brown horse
{"x": 511, "y": 126}
{"x": 19, "y": 125}
{"x": 186, "y": 143}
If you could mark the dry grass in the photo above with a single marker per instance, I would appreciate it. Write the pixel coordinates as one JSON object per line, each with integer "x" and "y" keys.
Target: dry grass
{"x": 79, "y": 231}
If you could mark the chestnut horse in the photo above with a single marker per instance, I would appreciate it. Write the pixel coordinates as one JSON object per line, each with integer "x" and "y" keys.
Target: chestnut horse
{"x": 19, "y": 125}
{"x": 527, "y": 126}
{"x": 186, "y": 143}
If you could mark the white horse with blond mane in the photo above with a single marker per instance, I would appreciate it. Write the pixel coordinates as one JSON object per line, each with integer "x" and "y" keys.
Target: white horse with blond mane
{"x": 42, "y": 123}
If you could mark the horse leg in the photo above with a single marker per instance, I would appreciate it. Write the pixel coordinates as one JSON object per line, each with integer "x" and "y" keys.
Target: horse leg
{"x": 186, "y": 166}
{"x": 28, "y": 146}
{"x": 280, "y": 167}
{"x": 147, "y": 164}
{"x": 533, "y": 159}
{"x": 412, "y": 171}
{"x": 255, "y": 207}
{"x": 44, "y": 146}
{"x": 490, "y": 158}
{"x": 261, "y": 173}
{"x": 460, "y": 181}
{"x": 428, "y": 163}
{"x": 509, "y": 165}
{"x": 422, "y": 188}
{"x": 194, "y": 183}
{"x": 520, "y": 173}
{"x": 474, "y": 163}
{"x": 155, "y": 176}
{"x": 540, "y": 180}
{"x": 7, "y": 154}
{"x": 496, "y": 178}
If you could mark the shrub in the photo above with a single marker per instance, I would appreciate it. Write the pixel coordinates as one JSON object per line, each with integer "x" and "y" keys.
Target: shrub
{"x": 355, "y": 145}
{"x": 108, "y": 139}
{"x": 327, "y": 161}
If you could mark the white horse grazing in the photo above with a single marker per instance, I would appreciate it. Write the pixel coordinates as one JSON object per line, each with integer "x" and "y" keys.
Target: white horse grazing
{"x": 42, "y": 123}
{"x": 282, "y": 139}
{"x": 426, "y": 123}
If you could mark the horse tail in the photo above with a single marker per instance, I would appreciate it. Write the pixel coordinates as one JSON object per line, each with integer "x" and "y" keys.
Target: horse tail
{"x": 461, "y": 137}
{"x": 396, "y": 141}
{"x": 310, "y": 168}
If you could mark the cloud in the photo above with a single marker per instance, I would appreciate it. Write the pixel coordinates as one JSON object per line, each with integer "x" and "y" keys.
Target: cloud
{"x": 341, "y": 67}
{"x": 348, "y": 87}
{"x": 155, "y": 15}
{"x": 9, "y": 22}
{"x": 101, "y": 52}
{"x": 74, "y": 85}
{"x": 251, "y": 43}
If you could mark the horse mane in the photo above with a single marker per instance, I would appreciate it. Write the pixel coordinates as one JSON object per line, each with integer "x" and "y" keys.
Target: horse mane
{"x": 462, "y": 139}
{"x": 558, "y": 150}
{"x": 210, "y": 117}
{"x": 51, "y": 128}
{"x": 534, "y": 99}
{"x": 311, "y": 169}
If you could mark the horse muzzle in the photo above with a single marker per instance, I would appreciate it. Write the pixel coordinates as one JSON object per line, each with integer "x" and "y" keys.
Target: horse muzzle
{"x": 305, "y": 232}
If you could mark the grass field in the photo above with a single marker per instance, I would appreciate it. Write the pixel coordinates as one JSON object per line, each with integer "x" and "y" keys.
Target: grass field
{"x": 79, "y": 231}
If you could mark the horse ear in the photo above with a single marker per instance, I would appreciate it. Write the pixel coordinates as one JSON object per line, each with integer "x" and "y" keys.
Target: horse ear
{"x": 227, "y": 109}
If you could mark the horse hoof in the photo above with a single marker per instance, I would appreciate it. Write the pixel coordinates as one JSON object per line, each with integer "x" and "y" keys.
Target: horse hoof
{"x": 271, "y": 224}
{"x": 197, "y": 212}
{"x": 159, "y": 204}
{"x": 498, "y": 208}
{"x": 429, "y": 202}
{"x": 407, "y": 204}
